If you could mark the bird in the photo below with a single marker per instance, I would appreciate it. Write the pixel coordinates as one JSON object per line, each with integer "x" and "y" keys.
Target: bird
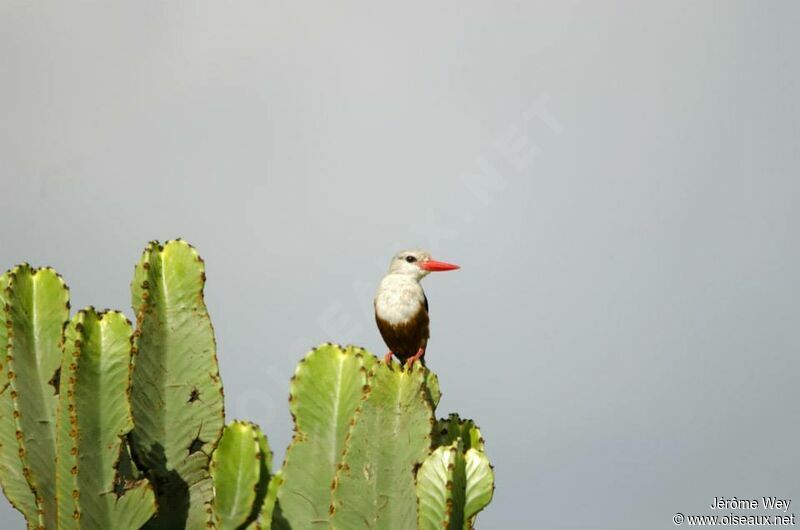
{"x": 401, "y": 307}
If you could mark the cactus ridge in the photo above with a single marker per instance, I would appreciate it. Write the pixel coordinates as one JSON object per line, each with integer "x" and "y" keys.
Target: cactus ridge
{"x": 240, "y": 468}
{"x": 452, "y": 428}
{"x": 265, "y": 474}
{"x": 176, "y": 396}
{"x": 37, "y": 305}
{"x": 269, "y": 516}
{"x": 93, "y": 493}
{"x": 390, "y": 437}
{"x": 432, "y": 390}
{"x": 456, "y": 481}
{"x": 480, "y": 484}
{"x": 436, "y": 489}
{"x": 325, "y": 391}
{"x": 12, "y": 479}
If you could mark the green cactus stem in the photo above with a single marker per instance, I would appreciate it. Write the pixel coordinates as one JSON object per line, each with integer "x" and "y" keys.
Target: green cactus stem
{"x": 37, "y": 306}
{"x": 452, "y": 428}
{"x": 455, "y": 482}
{"x": 325, "y": 392}
{"x": 94, "y": 419}
{"x": 15, "y": 486}
{"x": 271, "y": 517}
{"x": 240, "y": 468}
{"x": 374, "y": 486}
{"x": 432, "y": 390}
{"x": 441, "y": 488}
{"x": 177, "y": 392}
{"x": 105, "y": 428}
{"x": 265, "y": 477}
{"x": 480, "y": 485}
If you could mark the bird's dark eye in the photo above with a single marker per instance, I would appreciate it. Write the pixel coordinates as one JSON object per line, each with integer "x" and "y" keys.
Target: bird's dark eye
{"x": 411, "y": 259}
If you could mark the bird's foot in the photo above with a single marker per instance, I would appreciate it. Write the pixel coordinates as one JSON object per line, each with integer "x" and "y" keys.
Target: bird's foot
{"x": 415, "y": 357}
{"x": 388, "y": 358}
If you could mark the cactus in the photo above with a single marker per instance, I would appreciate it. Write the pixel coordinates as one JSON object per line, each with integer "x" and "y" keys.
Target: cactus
{"x": 37, "y": 305}
{"x": 12, "y": 477}
{"x": 390, "y": 437}
{"x": 326, "y": 390}
{"x": 432, "y": 391}
{"x": 455, "y": 481}
{"x": 480, "y": 484}
{"x": 240, "y": 468}
{"x": 271, "y": 517}
{"x": 177, "y": 392}
{"x": 441, "y": 484}
{"x": 452, "y": 428}
{"x": 94, "y": 419}
{"x": 100, "y": 425}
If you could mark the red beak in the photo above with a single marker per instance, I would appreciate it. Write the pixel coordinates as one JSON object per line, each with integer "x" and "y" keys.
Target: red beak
{"x": 434, "y": 266}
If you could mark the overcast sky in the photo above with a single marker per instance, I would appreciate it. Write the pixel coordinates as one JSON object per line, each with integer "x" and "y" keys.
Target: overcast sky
{"x": 618, "y": 180}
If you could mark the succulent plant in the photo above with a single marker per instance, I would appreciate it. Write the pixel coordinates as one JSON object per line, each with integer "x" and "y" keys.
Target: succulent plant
{"x": 325, "y": 392}
{"x": 95, "y": 486}
{"x": 240, "y": 469}
{"x": 456, "y": 480}
{"x": 176, "y": 395}
{"x": 105, "y": 427}
{"x": 63, "y": 425}
{"x": 390, "y": 438}
{"x": 36, "y": 305}
{"x": 12, "y": 475}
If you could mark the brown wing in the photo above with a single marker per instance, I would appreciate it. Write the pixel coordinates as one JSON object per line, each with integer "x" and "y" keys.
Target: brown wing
{"x": 405, "y": 339}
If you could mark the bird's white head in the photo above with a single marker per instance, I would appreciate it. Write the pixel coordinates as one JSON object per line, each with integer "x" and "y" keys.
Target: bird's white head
{"x": 417, "y": 264}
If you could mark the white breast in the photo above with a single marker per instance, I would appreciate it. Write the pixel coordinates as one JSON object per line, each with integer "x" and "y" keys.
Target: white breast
{"x": 399, "y": 298}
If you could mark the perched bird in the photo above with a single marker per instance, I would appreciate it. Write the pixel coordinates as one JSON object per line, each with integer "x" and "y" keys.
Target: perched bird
{"x": 401, "y": 308}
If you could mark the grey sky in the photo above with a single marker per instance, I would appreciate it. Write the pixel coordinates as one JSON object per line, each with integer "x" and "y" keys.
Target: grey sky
{"x": 618, "y": 180}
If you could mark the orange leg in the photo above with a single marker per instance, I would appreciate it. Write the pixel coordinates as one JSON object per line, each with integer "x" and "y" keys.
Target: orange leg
{"x": 388, "y": 358}
{"x": 415, "y": 357}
